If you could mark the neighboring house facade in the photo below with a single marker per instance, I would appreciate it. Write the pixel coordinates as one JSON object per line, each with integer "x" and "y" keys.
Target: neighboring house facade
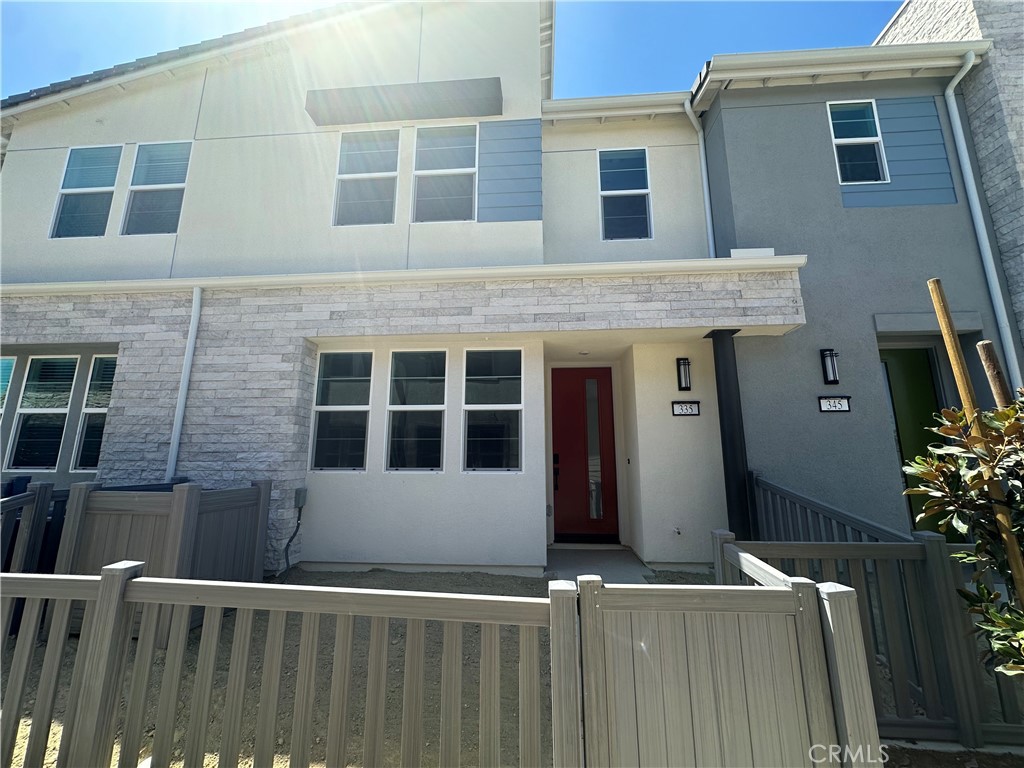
{"x": 468, "y": 319}
{"x": 994, "y": 103}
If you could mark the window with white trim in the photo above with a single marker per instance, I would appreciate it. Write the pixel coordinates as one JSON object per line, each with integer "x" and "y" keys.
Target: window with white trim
{"x": 416, "y": 404}
{"x": 493, "y": 409}
{"x": 625, "y": 194}
{"x": 342, "y": 410}
{"x": 6, "y": 369}
{"x": 94, "y": 412}
{"x": 86, "y": 192}
{"x": 367, "y": 178}
{"x": 445, "y": 174}
{"x": 43, "y": 412}
{"x": 157, "y": 188}
{"x": 857, "y": 141}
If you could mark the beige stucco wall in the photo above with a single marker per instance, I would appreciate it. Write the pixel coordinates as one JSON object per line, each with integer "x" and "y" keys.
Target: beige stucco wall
{"x": 572, "y": 209}
{"x": 679, "y": 459}
{"x": 434, "y": 518}
{"x": 259, "y": 197}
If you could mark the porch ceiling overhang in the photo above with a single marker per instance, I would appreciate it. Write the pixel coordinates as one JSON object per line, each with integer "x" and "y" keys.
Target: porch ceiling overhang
{"x": 830, "y": 65}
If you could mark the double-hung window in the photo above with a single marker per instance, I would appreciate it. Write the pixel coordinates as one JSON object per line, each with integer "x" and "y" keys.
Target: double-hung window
{"x": 157, "y": 189}
{"x": 625, "y": 194}
{"x": 367, "y": 178}
{"x": 493, "y": 409}
{"x": 86, "y": 192}
{"x": 342, "y": 410}
{"x": 94, "y": 412}
{"x": 445, "y": 175}
{"x": 416, "y": 402}
{"x": 43, "y": 412}
{"x": 857, "y": 140}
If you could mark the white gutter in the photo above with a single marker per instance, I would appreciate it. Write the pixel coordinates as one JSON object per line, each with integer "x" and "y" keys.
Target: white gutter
{"x": 984, "y": 246}
{"x": 708, "y": 223}
{"x": 186, "y": 374}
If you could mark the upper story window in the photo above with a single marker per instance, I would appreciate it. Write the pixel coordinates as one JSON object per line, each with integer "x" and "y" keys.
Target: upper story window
{"x": 342, "y": 410}
{"x": 86, "y": 192}
{"x": 493, "y": 409}
{"x": 445, "y": 175}
{"x": 416, "y": 403}
{"x": 857, "y": 139}
{"x": 625, "y": 194}
{"x": 157, "y": 189}
{"x": 367, "y": 178}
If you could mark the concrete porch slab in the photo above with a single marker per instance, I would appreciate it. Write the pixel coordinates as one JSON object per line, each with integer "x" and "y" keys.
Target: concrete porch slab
{"x": 614, "y": 566}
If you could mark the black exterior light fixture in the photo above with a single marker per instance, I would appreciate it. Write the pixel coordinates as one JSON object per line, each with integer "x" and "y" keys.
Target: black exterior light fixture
{"x": 830, "y": 366}
{"x": 683, "y": 373}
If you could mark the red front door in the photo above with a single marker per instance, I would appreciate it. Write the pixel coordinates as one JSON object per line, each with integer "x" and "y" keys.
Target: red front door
{"x": 583, "y": 444}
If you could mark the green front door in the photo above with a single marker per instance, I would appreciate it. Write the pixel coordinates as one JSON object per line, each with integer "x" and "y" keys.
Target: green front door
{"x": 910, "y": 374}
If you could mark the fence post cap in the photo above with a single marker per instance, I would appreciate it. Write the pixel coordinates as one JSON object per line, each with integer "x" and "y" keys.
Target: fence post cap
{"x": 132, "y": 567}
{"x": 561, "y": 587}
{"x": 589, "y": 578}
{"x": 800, "y": 581}
{"x": 829, "y": 590}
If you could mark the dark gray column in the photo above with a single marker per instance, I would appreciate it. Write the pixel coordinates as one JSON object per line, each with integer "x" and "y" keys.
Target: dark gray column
{"x": 734, "y": 444}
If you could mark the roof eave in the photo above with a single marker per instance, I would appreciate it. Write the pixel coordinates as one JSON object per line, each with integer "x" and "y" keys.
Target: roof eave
{"x": 864, "y": 63}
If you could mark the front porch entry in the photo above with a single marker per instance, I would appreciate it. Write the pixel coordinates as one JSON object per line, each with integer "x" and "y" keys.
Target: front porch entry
{"x": 614, "y": 564}
{"x": 583, "y": 456}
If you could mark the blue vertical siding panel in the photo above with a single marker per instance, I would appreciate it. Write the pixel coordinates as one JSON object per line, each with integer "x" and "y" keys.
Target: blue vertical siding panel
{"x": 509, "y": 171}
{"x": 919, "y": 172}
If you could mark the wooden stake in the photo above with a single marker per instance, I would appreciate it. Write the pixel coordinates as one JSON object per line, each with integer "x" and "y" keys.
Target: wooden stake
{"x": 966, "y": 389}
{"x": 994, "y": 371}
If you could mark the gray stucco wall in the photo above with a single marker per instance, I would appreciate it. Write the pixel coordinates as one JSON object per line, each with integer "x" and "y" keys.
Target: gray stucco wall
{"x": 861, "y": 262}
{"x": 994, "y": 99}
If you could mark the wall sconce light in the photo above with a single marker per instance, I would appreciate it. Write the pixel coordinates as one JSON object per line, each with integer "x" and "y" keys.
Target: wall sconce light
{"x": 683, "y": 373}
{"x": 830, "y": 366}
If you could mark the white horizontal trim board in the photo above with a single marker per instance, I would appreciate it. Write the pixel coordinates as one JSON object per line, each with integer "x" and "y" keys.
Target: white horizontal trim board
{"x": 526, "y": 272}
{"x": 54, "y": 587}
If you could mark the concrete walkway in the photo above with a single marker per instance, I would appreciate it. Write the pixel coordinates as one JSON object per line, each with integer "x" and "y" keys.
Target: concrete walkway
{"x": 614, "y": 565}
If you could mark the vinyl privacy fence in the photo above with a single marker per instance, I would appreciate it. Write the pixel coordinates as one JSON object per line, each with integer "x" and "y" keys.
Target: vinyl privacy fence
{"x": 603, "y": 675}
{"x": 926, "y": 679}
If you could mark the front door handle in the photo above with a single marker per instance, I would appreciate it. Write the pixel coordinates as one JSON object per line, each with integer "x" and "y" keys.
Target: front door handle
{"x": 556, "y": 478}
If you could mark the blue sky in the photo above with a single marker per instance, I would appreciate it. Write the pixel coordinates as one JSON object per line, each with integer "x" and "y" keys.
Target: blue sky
{"x": 601, "y": 48}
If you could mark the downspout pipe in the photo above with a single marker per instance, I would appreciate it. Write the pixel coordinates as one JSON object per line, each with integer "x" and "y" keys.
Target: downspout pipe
{"x": 186, "y": 374}
{"x": 708, "y": 223}
{"x": 988, "y": 261}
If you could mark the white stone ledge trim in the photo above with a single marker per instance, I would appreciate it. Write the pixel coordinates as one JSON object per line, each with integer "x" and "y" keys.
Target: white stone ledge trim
{"x": 475, "y": 274}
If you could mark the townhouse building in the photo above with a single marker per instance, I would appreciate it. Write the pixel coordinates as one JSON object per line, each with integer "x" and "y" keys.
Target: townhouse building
{"x": 364, "y": 253}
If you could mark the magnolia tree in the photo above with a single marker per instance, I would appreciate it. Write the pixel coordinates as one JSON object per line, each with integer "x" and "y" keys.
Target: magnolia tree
{"x": 958, "y": 477}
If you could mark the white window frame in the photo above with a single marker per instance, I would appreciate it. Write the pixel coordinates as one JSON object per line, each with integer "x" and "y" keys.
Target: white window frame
{"x": 443, "y": 408}
{"x": 61, "y": 192}
{"x": 876, "y": 139}
{"x": 66, "y": 410}
{"x": 132, "y": 188}
{"x": 322, "y": 408}
{"x": 466, "y": 407}
{"x": 81, "y": 418}
{"x": 446, "y": 172}
{"x": 339, "y": 177}
{"x": 625, "y": 193}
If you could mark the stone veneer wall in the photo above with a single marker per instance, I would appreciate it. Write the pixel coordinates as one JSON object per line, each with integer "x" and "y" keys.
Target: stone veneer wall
{"x": 994, "y": 98}
{"x": 251, "y": 391}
